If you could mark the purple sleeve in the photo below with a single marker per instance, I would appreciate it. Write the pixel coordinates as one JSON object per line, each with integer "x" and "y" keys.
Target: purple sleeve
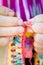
{"x": 25, "y": 9}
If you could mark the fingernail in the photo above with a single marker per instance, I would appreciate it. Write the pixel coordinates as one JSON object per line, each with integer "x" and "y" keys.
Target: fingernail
{"x": 20, "y": 22}
{"x": 11, "y": 13}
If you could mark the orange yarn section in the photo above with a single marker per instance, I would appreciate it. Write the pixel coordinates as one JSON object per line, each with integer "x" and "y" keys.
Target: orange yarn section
{"x": 24, "y": 36}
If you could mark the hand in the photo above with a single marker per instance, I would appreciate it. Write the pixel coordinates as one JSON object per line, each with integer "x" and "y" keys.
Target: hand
{"x": 38, "y": 29}
{"x": 9, "y": 25}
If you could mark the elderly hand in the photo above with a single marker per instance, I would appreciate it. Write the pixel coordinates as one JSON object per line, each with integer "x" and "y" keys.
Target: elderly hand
{"x": 38, "y": 29}
{"x": 9, "y": 25}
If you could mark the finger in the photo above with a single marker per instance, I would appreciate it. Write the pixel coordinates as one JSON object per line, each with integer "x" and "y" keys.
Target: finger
{"x": 11, "y": 31}
{"x": 39, "y": 51}
{"x": 10, "y": 21}
{"x": 6, "y": 11}
{"x": 38, "y": 27}
{"x": 4, "y": 41}
{"x": 38, "y": 19}
{"x": 38, "y": 45}
{"x": 38, "y": 38}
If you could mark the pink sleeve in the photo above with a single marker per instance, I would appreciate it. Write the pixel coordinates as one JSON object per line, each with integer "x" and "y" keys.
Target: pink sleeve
{"x": 1, "y": 2}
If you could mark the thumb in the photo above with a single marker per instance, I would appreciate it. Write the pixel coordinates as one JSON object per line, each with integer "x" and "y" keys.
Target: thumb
{"x": 6, "y": 11}
{"x": 37, "y": 19}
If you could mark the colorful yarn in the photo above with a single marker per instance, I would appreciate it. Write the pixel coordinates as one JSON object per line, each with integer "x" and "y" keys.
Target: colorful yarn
{"x": 29, "y": 34}
{"x": 38, "y": 59}
{"x": 15, "y": 52}
{"x": 19, "y": 48}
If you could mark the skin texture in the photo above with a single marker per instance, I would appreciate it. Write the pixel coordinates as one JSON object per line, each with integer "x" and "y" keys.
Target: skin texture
{"x": 9, "y": 22}
{"x": 39, "y": 38}
{"x": 6, "y": 11}
{"x": 9, "y": 25}
{"x": 37, "y": 26}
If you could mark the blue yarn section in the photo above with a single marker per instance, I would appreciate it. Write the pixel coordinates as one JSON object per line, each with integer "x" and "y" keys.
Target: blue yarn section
{"x": 41, "y": 56}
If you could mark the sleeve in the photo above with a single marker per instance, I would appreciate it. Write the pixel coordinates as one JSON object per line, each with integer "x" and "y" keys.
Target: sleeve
{"x": 24, "y": 9}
